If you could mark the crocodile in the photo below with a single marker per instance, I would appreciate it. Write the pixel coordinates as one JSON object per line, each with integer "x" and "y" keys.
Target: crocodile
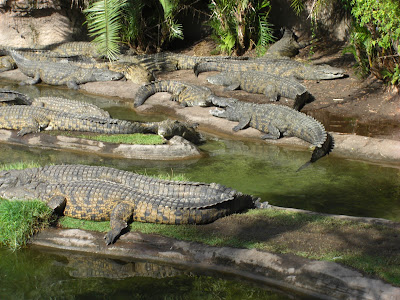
{"x": 185, "y": 93}
{"x": 70, "y": 106}
{"x": 75, "y": 49}
{"x": 105, "y": 200}
{"x": 264, "y": 83}
{"x": 142, "y": 183}
{"x": 170, "y": 128}
{"x": 7, "y": 63}
{"x": 11, "y": 97}
{"x": 277, "y": 121}
{"x": 287, "y": 46}
{"x": 61, "y": 73}
{"x": 131, "y": 71}
{"x": 169, "y": 61}
{"x": 30, "y": 119}
{"x": 276, "y": 66}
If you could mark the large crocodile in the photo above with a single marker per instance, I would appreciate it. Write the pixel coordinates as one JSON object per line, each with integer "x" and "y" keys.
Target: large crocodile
{"x": 264, "y": 83}
{"x": 75, "y": 49}
{"x": 31, "y": 119}
{"x": 28, "y": 119}
{"x": 11, "y": 97}
{"x": 142, "y": 183}
{"x": 277, "y": 121}
{"x": 61, "y": 73}
{"x": 70, "y": 106}
{"x": 169, "y": 61}
{"x": 280, "y": 67}
{"x": 185, "y": 93}
{"x": 105, "y": 200}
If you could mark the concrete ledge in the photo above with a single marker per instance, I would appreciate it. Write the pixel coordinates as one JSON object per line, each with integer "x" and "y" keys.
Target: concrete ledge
{"x": 174, "y": 149}
{"x": 321, "y": 279}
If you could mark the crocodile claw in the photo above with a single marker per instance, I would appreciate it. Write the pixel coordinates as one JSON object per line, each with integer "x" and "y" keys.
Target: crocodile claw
{"x": 111, "y": 236}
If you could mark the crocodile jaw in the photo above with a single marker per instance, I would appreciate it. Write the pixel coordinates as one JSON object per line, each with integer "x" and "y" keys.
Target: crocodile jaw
{"x": 218, "y": 112}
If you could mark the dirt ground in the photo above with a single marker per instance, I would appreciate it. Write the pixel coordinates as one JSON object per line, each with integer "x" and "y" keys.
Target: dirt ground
{"x": 350, "y": 105}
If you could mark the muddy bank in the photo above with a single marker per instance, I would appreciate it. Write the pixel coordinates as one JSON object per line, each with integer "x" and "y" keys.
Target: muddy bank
{"x": 320, "y": 279}
{"x": 346, "y": 145}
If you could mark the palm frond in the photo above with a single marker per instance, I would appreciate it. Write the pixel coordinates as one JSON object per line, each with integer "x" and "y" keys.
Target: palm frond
{"x": 103, "y": 19}
{"x": 297, "y": 6}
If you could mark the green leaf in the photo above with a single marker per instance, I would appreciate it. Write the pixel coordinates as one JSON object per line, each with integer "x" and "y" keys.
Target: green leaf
{"x": 103, "y": 19}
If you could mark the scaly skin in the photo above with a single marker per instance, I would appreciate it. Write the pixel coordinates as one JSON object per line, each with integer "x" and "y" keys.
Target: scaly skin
{"x": 263, "y": 83}
{"x": 185, "y": 93}
{"x": 61, "y": 73}
{"x": 276, "y": 121}
{"x": 76, "y": 49}
{"x": 7, "y": 63}
{"x": 70, "y": 106}
{"x": 103, "y": 200}
{"x": 10, "y": 97}
{"x": 170, "y": 128}
{"x": 28, "y": 119}
{"x": 168, "y": 61}
{"x": 211, "y": 193}
{"x": 287, "y": 46}
{"x": 279, "y": 67}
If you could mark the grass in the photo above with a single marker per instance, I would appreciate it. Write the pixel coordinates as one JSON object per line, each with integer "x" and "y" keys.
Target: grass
{"x": 20, "y": 220}
{"x": 294, "y": 229}
{"x": 371, "y": 249}
{"x": 132, "y": 139}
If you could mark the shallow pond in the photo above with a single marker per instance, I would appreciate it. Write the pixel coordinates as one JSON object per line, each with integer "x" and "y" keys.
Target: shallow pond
{"x": 332, "y": 185}
{"x": 39, "y": 274}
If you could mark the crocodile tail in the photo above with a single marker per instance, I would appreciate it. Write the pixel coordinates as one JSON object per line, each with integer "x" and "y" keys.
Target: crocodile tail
{"x": 206, "y": 67}
{"x": 150, "y": 89}
{"x": 319, "y": 152}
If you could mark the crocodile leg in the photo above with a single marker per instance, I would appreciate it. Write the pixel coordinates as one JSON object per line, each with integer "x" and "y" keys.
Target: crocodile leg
{"x": 57, "y": 204}
{"x": 34, "y": 80}
{"x": 72, "y": 85}
{"x": 243, "y": 123}
{"x": 273, "y": 133}
{"x": 32, "y": 126}
{"x": 118, "y": 220}
{"x": 271, "y": 93}
{"x": 233, "y": 86}
{"x": 176, "y": 94}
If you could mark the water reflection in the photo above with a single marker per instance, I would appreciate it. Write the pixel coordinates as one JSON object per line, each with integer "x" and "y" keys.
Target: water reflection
{"x": 45, "y": 274}
{"x": 332, "y": 185}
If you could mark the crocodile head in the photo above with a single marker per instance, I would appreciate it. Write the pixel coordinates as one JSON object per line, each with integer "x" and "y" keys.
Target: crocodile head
{"x": 325, "y": 72}
{"x": 169, "y": 128}
{"x": 12, "y": 186}
{"x": 106, "y": 75}
{"x": 19, "y": 193}
{"x": 9, "y": 179}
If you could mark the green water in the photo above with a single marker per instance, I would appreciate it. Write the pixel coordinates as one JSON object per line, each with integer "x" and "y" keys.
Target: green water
{"x": 36, "y": 274}
{"x": 332, "y": 185}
